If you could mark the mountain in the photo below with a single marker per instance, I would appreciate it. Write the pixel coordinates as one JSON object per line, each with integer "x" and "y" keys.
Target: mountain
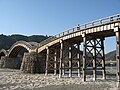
{"x": 7, "y": 41}
{"x": 111, "y": 55}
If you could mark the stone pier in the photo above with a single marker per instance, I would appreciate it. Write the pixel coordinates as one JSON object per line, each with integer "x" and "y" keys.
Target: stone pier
{"x": 33, "y": 63}
{"x": 13, "y": 63}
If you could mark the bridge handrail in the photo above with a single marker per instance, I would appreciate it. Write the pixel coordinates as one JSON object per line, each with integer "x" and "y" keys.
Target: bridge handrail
{"x": 82, "y": 27}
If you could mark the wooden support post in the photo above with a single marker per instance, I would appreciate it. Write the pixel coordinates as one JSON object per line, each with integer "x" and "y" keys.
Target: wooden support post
{"x": 103, "y": 58}
{"x": 70, "y": 61}
{"x": 55, "y": 64}
{"x": 78, "y": 57}
{"x": 63, "y": 67}
{"x": 61, "y": 59}
{"x": 94, "y": 60}
{"x": 47, "y": 61}
{"x": 118, "y": 54}
{"x": 84, "y": 57}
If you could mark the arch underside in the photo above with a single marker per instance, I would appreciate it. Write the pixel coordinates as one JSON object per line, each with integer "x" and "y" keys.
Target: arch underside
{"x": 18, "y": 50}
{"x": 2, "y": 54}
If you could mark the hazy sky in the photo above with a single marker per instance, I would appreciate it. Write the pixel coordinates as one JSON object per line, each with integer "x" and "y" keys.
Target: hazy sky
{"x": 50, "y": 17}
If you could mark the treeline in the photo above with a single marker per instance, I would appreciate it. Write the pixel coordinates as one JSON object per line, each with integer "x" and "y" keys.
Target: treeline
{"x": 7, "y": 41}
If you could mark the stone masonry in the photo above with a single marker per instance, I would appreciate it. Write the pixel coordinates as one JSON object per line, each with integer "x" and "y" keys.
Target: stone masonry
{"x": 13, "y": 63}
{"x": 33, "y": 63}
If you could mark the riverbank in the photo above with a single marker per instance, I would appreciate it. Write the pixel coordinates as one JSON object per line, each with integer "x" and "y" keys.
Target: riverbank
{"x": 15, "y": 80}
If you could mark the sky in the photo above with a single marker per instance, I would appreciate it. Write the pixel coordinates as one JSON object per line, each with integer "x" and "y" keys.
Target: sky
{"x": 50, "y": 17}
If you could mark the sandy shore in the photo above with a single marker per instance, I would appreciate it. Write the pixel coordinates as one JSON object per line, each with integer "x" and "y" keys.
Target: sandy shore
{"x": 15, "y": 80}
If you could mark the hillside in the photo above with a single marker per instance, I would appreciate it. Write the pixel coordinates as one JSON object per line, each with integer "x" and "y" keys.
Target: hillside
{"x": 111, "y": 55}
{"x": 7, "y": 41}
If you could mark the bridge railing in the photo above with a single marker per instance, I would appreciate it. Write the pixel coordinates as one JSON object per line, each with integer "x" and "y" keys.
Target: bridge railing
{"x": 50, "y": 39}
{"x": 82, "y": 27}
{"x": 66, "y": 32}
{"x": 91, "y": 24}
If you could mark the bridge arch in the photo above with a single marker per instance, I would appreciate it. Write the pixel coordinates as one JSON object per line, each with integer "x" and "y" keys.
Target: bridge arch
{"x": 3, "y": 52}
{"x": 18, "y": 46}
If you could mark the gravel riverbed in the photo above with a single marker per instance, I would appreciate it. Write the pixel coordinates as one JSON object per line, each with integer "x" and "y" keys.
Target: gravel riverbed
{"x": 15, "y": 80}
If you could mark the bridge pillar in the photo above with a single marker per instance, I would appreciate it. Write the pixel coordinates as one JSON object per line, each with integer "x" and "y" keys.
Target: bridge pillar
{"x": 78, "y": 58}
{"x": 27, "y": 65}
{"x": 33, "y": 63}
{"x": 103, "y": 58}
{"x": 47, "y": 61}
{"x": 93, "y": 56}
{"x": 61, "y": 58}
{"x": 70, "y": 61}
{"x": 51, "y": 60}
{"x": 94, "y": 60}
{"x": 78, "y": 55}
{"x": 13, "y": 63}
{"x": 117, "y": 30}
{"x": 55, "y": 65}
{"x": 84, "y": 57}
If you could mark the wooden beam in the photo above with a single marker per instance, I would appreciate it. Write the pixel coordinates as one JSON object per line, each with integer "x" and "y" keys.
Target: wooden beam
{"x": 78, "y": 57}
{"x": 103, "y": 58}
{"x": 70, "y": 61}
{"x": 61, "y": 59}
{"x": 118, "y": 54}
{"x": 84, "y": 57}
{"x": 47, "y": 61}
{"x": 94, "y": 60}
{"x": 55, "y": 64}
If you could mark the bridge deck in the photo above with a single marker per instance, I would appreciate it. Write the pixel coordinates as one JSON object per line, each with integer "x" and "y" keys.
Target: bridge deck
{"x": 105, "y": 30}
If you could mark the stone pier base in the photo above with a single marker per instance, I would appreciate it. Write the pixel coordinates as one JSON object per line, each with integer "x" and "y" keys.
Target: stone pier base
{"x": 33, "y": 63}
{"x": 13, "y": 63}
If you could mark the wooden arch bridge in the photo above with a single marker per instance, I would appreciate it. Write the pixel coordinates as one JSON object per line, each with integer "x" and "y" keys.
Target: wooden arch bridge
{"x": 61, "y": 54}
